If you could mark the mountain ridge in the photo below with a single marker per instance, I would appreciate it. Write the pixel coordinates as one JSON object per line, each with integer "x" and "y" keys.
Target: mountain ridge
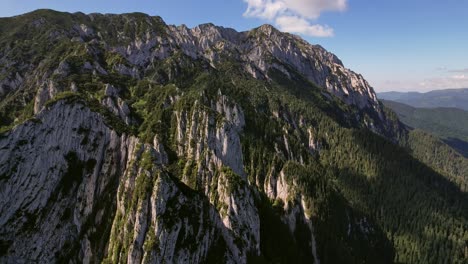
{"x": 214, "y": 34}
{"x": 457, "y": 98}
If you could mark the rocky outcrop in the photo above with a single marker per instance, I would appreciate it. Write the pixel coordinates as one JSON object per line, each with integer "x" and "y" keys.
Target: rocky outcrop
{"x": 271, "y": 49}
{"x": 280, "y": 189}
{"x": 45, "y": 92}
{"x": 209, "y": 140}
{"x": 157, "y": 221}
{"x": 10, "y": 83}
{"x": 58, "y": 174}
{"x": 116, "y": 105}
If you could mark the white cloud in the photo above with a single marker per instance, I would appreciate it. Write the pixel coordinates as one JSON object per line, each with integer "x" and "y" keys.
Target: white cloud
{"x": 458, "y": 77}
{"x": 457, "y": 81}
{"x": 295, "y": 16}
{"x": 296, "y": 24}
{"x": 264, "y": 9}
{"x": 442, "y": 68}
{"x": 435, "y": 83}
{"x": 312, "y": 9}
{"x": 423, "y": 84}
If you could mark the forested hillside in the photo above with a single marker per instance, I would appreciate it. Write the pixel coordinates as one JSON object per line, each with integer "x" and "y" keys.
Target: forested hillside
{"x": 450, "y": 124}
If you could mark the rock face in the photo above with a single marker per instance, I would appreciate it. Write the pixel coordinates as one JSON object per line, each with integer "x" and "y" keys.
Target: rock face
{"x": 53, "y": 191}
{"x": 51, "y": 200}
{"x": 151, "y": 143}
{"x": 260, "y": 51}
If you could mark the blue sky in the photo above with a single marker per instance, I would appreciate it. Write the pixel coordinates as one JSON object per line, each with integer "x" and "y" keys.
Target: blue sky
{"x": 397, "y": 45}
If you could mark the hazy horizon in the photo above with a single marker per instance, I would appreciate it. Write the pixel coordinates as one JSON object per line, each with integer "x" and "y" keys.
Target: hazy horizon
{"x": 409, "y": 90}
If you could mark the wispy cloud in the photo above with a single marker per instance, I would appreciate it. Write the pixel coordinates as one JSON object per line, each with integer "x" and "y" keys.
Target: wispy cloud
{"x": 459, "y": 77}
{"x": 443, "y": 68}
{"x": 423, "y": 84}
{"x": 300, "y": 25}
{"x": 460, "y": 70}
{"x": 455, "y": 81}
{"x": 295, "y": 16}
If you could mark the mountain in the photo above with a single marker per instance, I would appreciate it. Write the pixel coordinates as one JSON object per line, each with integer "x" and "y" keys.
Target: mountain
{"x": 454, "y": 98}
{"x": 450, "y": 124}
{"x": 125, "y": 139}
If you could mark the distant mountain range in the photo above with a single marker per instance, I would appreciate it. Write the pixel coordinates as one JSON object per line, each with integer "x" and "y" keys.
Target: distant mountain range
{"x": 438, "y": 98}
{"x": 448, "y": 123}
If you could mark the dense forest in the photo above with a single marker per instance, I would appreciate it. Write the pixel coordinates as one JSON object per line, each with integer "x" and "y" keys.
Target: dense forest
{"x": 449, "y": 124}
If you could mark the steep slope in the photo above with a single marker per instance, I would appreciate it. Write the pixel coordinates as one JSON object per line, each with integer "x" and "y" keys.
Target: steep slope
{"x": 455, "y": 98}
{"x": 169, "y": 144}
{"x": 450, "y": 124}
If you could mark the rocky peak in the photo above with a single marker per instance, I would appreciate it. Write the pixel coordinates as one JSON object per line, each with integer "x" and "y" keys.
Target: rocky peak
{"x": 267, "y": 29}
{"x": 142, "y": 39}
{"x": 257, "y": 47}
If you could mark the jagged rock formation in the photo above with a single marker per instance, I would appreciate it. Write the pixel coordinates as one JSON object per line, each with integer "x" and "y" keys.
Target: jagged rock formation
{"x": 133, "y": 141}
{"x": 260, "y": 52}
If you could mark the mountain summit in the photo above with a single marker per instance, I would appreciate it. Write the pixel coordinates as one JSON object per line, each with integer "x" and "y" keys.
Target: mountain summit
{"x": 126, "y": 140}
